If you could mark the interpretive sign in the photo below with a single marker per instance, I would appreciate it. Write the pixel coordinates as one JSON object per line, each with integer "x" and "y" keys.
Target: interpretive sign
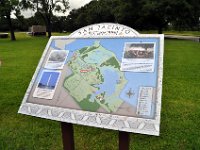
{"x": 112, "y": 82}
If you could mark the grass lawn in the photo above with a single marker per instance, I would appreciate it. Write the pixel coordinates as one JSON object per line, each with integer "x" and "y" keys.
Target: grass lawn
{"x": 180, "y": 118}
{"x": 184, "y": 33}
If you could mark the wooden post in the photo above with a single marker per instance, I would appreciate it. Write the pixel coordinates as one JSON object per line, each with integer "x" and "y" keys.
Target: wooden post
{"x": 124, "y": 140}
{"x": 67, "y": 136}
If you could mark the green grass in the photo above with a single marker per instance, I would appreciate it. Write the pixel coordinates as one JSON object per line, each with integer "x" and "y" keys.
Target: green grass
{"x": 180, "y": 118}
{"x": 184, "y": 33}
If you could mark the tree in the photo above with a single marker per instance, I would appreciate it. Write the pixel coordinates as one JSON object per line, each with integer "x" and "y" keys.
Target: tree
{"x": 128, "y": 12}
{"x": 156, "y": 13}
{"x": 100, "y": 11}
{"x": 186, "y": 14}
{"x": 94, "y": 12}
{"x": 6, "y": 8}
{"x": 46, "y": 8}
{"x": 195, "y": 14}
{"x": 59, "y": 23}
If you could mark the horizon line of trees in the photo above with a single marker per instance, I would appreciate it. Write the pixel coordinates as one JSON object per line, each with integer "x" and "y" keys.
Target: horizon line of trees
{"x": 140, "y": 15}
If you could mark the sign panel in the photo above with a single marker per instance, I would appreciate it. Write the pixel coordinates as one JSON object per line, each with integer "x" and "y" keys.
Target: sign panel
{"x": 107, "y": 82}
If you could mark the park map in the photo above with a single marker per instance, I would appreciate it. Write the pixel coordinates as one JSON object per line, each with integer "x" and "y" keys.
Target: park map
{"x": 90, "y": 84}
{"x": 87, "y": 74}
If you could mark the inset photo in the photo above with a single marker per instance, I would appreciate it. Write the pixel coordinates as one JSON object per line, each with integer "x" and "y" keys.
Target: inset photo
{"x": 47, "y": 85}
{"x": 139, "y": 50}
{"x": 56, "y": 59}
{"x": 48, "y": 80}
{"x": 138, "y": 57}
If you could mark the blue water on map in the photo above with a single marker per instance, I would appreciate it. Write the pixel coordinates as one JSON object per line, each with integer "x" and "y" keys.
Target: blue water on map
{"x": 135, "y": 80}
{"x": 53, "y": 45}
{"x": 106, "y": 85}
{"x": 72, "y": 47}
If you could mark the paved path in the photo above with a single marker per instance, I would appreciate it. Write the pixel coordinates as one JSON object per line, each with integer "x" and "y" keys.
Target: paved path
{"x": 181, "y": 37}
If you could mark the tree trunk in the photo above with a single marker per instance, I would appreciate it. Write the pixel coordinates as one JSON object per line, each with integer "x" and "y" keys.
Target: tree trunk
{"x": 49, "y": 26}
{"x": 12, "y": 34}
{"x": 160, "y": 31}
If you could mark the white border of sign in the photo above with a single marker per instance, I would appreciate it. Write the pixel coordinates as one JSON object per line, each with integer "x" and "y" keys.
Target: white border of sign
{"x": 101, "y": 120}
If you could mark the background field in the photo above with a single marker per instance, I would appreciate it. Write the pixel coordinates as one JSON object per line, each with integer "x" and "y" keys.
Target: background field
{"x": 180, "y": 118}
{"x": 184, "y": 33}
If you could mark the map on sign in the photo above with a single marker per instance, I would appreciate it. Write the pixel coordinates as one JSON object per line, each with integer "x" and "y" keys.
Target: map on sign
{"x": 92, "y": 68}
{"x": 88, "y": 75}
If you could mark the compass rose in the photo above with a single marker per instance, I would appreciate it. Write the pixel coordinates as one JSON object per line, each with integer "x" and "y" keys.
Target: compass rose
{"x": 130, "y": 93}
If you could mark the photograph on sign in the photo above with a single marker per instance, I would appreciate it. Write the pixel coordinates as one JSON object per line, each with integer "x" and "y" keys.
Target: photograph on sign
{"x": 138, "y": 57}
{"x": 112, "y": 81}
{"x": 47, "y": 84}
{"x": 56, "y": 59}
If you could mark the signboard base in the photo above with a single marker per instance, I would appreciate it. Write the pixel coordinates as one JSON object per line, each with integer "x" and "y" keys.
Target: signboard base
{"x": 124, "y": 140}
{"x": 68, "y": 137}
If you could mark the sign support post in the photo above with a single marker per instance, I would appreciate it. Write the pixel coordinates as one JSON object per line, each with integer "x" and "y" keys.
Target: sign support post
{"x": 67, "y": 136}
{"x": 124, "y": 140}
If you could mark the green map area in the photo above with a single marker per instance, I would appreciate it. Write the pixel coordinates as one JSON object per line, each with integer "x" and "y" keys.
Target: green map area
{"x": 96, "y": 80}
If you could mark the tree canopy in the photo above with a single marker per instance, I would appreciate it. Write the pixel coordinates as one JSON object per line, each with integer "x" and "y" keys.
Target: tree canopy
{"x": 46, "y": 8}
{"x": 6, "y": 8}
{"x": 140, "y": 15}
